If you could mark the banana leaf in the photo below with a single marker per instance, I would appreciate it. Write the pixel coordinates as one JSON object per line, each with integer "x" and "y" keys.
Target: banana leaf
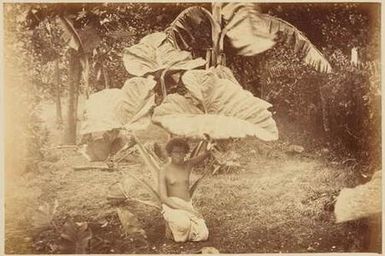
{"x": 192, "y": 28}
{"x": 251, "y": 32}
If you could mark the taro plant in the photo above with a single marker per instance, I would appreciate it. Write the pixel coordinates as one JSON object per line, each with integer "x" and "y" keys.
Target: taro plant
{"x": 212, "y": 102}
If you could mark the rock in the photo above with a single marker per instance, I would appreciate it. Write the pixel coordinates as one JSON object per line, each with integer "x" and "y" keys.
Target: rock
{"x": 295, "y": 149}
{"x": 359, "y": 202}
{"x": 310, "y": 249}
{"x": 209, "y": 250}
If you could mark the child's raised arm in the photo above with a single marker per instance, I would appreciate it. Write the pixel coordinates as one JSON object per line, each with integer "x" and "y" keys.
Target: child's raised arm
{"x": 196, "y": 160}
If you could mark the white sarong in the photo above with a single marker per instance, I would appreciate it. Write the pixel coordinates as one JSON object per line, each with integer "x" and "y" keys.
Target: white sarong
{"x": 184, "y": 225}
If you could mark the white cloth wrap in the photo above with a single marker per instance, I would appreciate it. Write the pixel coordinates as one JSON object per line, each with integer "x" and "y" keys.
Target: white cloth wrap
{"x": 184, "y": 225}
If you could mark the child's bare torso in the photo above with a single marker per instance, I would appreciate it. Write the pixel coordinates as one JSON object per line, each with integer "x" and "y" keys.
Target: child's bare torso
{"x": 178, "y": 181}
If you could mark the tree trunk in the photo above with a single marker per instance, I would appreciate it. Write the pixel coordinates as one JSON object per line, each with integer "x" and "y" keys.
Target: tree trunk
{"x": 325, "y": 114}
{"x": 215, "y": 54}
{"x": 107, "y": 82}
{"x": 59, "y": 116}
{"x": 86, "y": 75}
{"x": 74, "y": 80}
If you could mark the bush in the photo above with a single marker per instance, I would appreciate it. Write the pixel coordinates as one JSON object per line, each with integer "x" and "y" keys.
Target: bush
{"x": 354, "y": 108}
{"x": 340, "y": 109}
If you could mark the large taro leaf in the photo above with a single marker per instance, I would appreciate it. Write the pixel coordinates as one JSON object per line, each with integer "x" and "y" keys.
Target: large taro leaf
{"x": 117, "y": 108}
{"x": 105, "y": 110}
{"x": 252, "y": 32}
{"x": 154, "y": 53}
{"x": 224, "y": 73}
{"x": 109, "y": 110}
{"x": 141, "y": 99}
{"x": 225, "y": 111}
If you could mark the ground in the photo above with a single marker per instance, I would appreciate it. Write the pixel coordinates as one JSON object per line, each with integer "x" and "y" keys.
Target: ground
{"x": 276, "y": 202}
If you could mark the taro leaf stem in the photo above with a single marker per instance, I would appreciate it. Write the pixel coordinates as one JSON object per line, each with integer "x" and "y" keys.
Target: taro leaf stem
{"x": 163, "y": 84}
{"x": 149, "y": 161}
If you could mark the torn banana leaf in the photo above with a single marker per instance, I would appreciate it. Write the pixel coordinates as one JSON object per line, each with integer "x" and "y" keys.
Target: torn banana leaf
{"x": 252, "y": 32}
{"x": 192, "y": 29}
{"x": 154, "y": 53}
{"x": 225, "y": 110}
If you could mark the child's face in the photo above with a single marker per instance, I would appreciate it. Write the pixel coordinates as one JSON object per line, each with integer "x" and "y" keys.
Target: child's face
{"x": 178, "y": 154}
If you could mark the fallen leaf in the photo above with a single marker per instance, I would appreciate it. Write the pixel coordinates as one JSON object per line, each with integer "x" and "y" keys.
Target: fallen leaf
{"x": 130, "y": 223}
{"x": 78, "y": 234}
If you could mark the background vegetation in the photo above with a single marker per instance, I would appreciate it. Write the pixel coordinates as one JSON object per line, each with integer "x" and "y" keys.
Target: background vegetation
{"x": 341, "y": 109}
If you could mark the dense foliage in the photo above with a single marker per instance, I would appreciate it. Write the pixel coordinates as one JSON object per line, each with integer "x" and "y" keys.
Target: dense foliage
{"x": 342, "y": 109}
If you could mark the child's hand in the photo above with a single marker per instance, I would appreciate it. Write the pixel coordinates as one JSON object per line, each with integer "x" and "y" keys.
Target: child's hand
{"x": 210, "y": 146}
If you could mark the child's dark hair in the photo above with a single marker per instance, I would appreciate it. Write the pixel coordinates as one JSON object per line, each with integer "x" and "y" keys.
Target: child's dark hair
{"x": 177, "y": 142}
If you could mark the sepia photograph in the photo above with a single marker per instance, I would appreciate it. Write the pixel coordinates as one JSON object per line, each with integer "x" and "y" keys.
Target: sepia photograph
{"x": 192, "y": 128}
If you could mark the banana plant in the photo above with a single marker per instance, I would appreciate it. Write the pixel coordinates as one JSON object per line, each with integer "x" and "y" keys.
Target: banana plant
{"x": 247, "y": 30}
{"x": 84, "y": 42}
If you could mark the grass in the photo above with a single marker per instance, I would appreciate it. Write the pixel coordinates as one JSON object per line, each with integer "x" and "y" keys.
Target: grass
{"x": 274, "y": 203}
